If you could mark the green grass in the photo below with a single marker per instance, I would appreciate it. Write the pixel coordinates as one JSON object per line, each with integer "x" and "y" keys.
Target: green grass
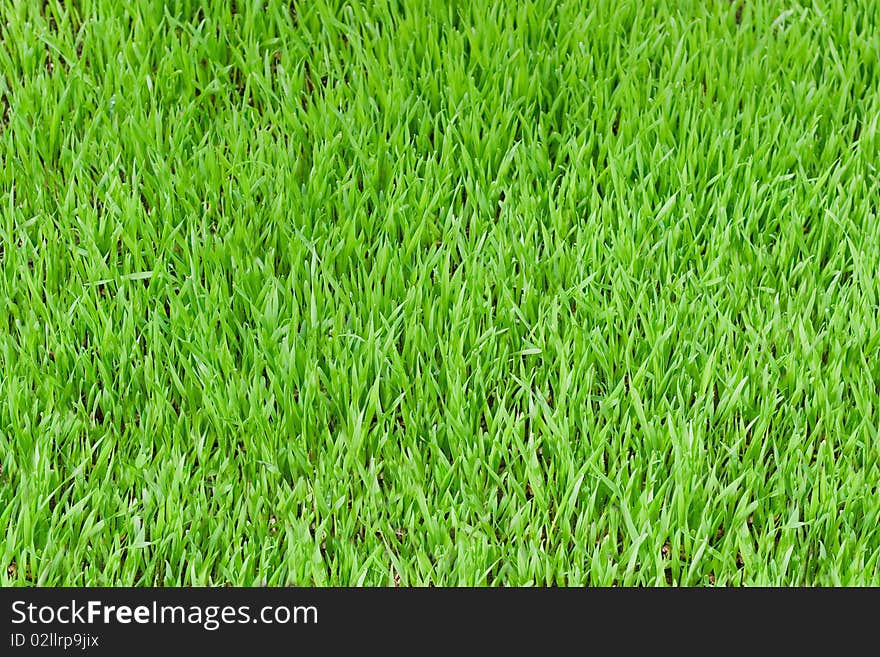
{"x": 410, "y": 292}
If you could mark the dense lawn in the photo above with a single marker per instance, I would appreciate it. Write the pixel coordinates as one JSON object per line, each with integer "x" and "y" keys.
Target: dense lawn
{"x": 421, "y": 291}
